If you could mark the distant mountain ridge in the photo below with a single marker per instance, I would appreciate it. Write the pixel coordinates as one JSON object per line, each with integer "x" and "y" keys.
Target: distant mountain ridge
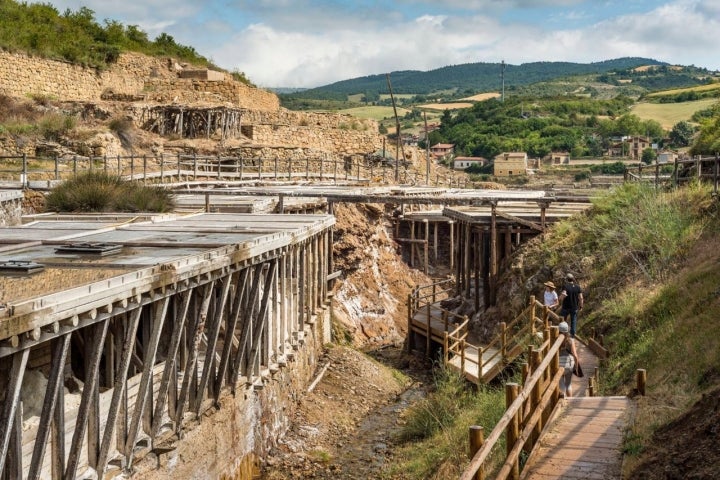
{"x": 470, "y": 76}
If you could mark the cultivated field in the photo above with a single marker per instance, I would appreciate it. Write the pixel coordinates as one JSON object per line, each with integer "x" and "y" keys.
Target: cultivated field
{"x": 374, "y": 112}
{"x": 668, "y": 114}
{"x": 480, "y": 97}
{"x": 700, "y": 88}
{"x": 446, "y": 106}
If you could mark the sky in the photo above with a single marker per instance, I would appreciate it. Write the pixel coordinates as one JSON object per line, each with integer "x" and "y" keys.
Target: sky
{"x": 303, "y": 43}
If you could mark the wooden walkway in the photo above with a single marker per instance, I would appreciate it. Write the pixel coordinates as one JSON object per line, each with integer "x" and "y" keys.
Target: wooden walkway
{"x": 583, "y": 441}
{"x": 584, "y": 438}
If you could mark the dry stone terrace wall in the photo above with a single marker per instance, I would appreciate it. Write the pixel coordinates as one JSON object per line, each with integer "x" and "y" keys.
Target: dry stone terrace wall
{"x": 22, "y": 75}
{"x": 10, "y": 208}
{"x": 186, "y": 90}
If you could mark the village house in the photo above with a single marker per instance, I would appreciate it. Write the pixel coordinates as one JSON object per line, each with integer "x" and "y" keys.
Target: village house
{"x": 510, "y": 163}
{"x": 631, "y": 146}
{"x": 442, "y": 150}
{"x": 667, "y": 156}
{"x": 461, "y": 163}
{"x": 557, "y": 158}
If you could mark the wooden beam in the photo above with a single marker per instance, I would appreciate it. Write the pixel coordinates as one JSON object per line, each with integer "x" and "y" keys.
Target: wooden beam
{"x": 261, "y": 319}
{"x": 189, "y": 372}
{"x": 252, "y": 301}
{"x": 92, "y": 367}
{"x": 522, "y": 221}
{"x": 141, "y": 400}
{"x": 240, "y": 289}
{"x": 60, "y": 348}
{"x": 170, "y": 363}
{"x": 212, "y": 337}
{"x": 119, "y": 386}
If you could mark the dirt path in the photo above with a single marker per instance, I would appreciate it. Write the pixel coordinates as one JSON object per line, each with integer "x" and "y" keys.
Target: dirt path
{"x": 344, "y": 428}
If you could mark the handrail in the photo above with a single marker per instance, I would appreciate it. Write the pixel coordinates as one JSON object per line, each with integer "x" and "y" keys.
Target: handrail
{"x": 540, "y": 402}
{"x": 163, "y": 168}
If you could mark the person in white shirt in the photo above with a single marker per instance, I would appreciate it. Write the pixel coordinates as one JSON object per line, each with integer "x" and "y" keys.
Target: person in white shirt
{"x": 550, "y": 298}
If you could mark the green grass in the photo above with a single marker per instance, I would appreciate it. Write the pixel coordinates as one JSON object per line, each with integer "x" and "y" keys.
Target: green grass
{"x": 668, "y": 114}
{"x": 434, "y": 439}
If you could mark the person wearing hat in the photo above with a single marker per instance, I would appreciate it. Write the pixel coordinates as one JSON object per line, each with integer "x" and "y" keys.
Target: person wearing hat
{"x": 571, "y": 299}
{"x": 568, "y": 360}
{"x": 550, "y": 297}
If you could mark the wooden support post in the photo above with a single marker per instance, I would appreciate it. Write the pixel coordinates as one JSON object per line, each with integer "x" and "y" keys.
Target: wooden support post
{"x": 189, "y": 371}
{"x": 60, "y": 348}
{"x": 451, "y": 226}
{"x": 425, "y": 245}
{"x": 119, "y": 386}
{"x": 12, "y": 403}
{"x": 466, "y": 260}
{"x": 493, "y": 253}
{"x": 641, "y": 377}
{"x": 512, "y": 431}
{"x": 477, "y": 438}
{"x": 143, "y": 400}
{"x": 535, "y": 397}
{"x": 410, "y": 311}
{"x": 92, "y": 367}
{"x": 212, "y": 336}
{"x": 240, "y": 289}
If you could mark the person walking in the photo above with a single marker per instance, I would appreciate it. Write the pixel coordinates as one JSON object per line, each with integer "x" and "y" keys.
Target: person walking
{"x": 550, "y": 297}
{"x": 568, "y": 360}
{"x": 572, "y": 301}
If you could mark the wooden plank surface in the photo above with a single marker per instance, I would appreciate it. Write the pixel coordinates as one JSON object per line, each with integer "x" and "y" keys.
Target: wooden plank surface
{"x": 583, "y": 441}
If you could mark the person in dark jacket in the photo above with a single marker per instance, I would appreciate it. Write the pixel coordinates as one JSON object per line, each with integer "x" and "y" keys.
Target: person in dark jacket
{"x": 571, "y": 300}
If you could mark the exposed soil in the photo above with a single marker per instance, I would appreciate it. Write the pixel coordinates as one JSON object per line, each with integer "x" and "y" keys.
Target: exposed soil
{"x": 344, "y": 428}
{"x": 687, "y": 448}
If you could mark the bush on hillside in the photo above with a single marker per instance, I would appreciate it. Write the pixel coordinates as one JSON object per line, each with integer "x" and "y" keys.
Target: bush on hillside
{"x": 100, "y": 192}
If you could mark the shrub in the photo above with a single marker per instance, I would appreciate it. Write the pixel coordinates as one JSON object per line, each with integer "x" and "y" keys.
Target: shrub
{"x": 100, "y": 192}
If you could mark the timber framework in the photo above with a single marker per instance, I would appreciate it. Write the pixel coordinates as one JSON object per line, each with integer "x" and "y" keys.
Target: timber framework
{"x": 135, "y": 326}
{"x": 193, "y": 122}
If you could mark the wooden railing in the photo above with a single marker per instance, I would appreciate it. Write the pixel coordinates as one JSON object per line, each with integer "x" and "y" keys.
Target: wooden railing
{"x": 43, "y": 172}
{"x": 702, "y": 168}
{"x": 425, "y": 299}
{"x": 528, "y": 410}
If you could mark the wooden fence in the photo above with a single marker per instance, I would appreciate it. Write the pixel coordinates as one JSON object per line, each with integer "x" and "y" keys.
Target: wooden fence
{"x": 528, "y": 410}
{"x": 701, "y": 168}
{"x": 44, "y": 172}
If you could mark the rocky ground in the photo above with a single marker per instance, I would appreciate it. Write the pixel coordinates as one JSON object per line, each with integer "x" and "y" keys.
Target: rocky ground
{"x": 344, "y": 427}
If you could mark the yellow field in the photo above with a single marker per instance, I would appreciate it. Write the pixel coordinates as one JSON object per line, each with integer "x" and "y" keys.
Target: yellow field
{"x": 668, "y": 114}
{"x": 480, "y": 97}
{"x": 701, "y": 88}
{"x": 374, "y": 112}
{"x": 446, "y": 106}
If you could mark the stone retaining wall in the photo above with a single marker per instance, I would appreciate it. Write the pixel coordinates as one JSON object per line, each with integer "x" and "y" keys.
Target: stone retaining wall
{"x": 133, "y": 74}
{"x": 10, "y": 208}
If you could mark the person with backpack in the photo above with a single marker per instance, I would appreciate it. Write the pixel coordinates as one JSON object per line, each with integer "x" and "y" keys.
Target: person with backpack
{"x": 571, "y": 301}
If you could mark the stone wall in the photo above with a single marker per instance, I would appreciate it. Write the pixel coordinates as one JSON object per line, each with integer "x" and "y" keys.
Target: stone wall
{"x": 189, "y": 90}
{"x": 22, "y": 75}
{"x": 10, "y": 208}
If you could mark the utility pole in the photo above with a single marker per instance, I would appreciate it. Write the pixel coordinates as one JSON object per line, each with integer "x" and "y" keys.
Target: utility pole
{"x": 502, "y": 76}
{"x": 427, "y": 152}
{"x": 397, "y": 128}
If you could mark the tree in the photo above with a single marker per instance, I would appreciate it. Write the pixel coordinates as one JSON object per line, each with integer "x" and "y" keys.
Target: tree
{"x": 681, "y": 134}
{"x": 648, "y": 156}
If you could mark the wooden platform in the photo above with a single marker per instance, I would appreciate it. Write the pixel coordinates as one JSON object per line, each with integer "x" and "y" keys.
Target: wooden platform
{"x": 583, "y": 441}
{"x": 490, "y": 360}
